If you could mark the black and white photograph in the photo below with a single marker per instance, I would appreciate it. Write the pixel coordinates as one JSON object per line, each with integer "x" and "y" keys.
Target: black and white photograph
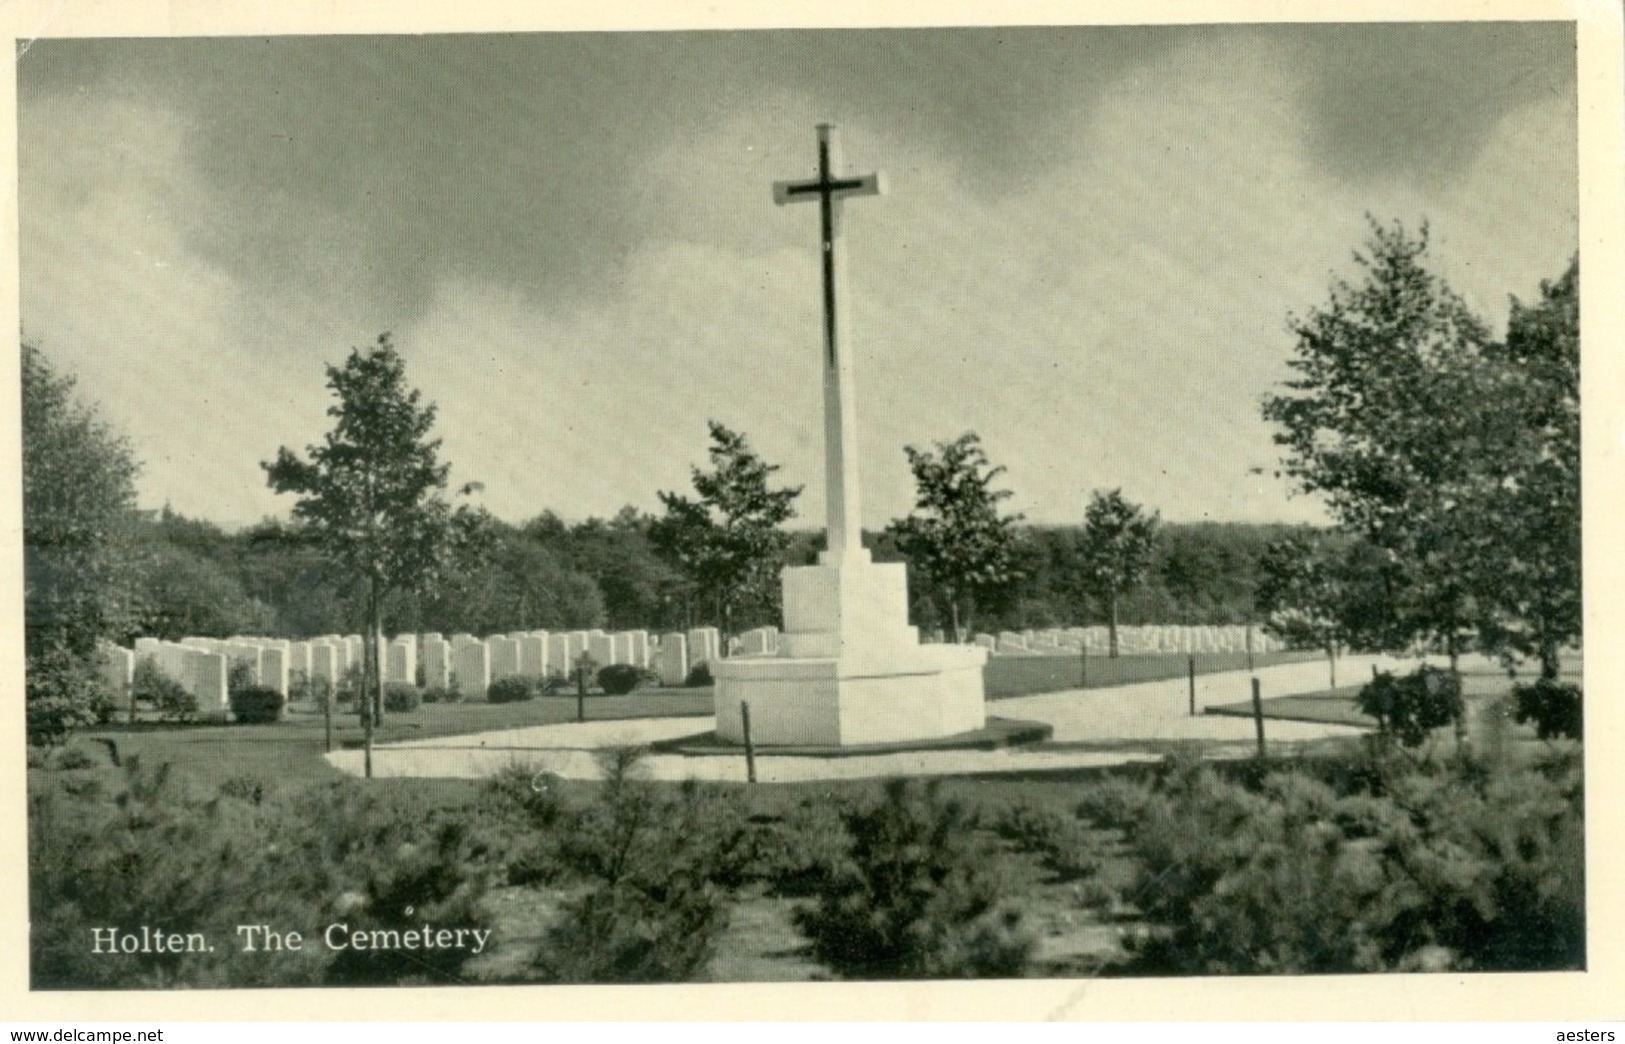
{"x": 547, "y": 507}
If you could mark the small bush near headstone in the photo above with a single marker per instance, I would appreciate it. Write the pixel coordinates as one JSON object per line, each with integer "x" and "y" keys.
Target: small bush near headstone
{"x": 1409, "y": 708}
{"x": 256, "y": 705}
{"x": 513, "y": 689}
{"x": 699, "y": 676}
{"x": 401, "y": 697}
{"x": 618, "y": 679}
{"x": 166, "y": 695}
{"x": 1555, "y": 707}
{"x": 437, "y": 695}
{"x": 914, "y": 898}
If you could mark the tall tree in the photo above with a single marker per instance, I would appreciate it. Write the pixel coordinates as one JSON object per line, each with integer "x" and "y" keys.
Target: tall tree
{"x": 1118, "y": 539}
{"x": 1529, "y": 499}
{"x": 372, "y": 493}
{"x": 1384, "y": 418}
{"x": 728, "y": 540}
{"x": 79, "y": 568}
{"x": 955, "y": 537}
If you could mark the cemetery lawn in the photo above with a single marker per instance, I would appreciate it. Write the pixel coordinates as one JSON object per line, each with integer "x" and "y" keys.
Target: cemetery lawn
{"x": 290, "y": 751}
{"x": 1007, "y": 676}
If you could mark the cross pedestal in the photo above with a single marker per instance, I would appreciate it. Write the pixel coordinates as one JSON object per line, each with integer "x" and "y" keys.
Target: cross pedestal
{"x": 849, "y": 669}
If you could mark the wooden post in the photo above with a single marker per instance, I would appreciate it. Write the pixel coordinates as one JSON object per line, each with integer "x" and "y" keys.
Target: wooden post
{"x": 1190, "y": 664}
{"x": 750, "y": 748}
{"x": 1083, "y": 667}
{"x": 581, "y": 692}
{"x": 1258, "y": 717}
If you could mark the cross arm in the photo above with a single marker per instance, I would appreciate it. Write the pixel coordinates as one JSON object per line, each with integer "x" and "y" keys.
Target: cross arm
{"x": 802, "y": 191}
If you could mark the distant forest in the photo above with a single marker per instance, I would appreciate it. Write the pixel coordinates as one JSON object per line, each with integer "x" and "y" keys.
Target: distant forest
{"x": 201, "y": 580}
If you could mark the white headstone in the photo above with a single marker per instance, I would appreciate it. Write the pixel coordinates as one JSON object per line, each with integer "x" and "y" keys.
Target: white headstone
{"x": 436, "y": 662}
{"x": 672, "y": 659}
{"x": 601, "y": 647}
{"x": 504, "y": 656}
{"x": 471, "y": 663}
{"x": 401, "y": 660}
{"x": 533, "y": 655}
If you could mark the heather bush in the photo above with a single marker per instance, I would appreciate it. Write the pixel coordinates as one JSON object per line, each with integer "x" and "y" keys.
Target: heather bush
{"x": 435, "y": 694}
{"x": 1409, "y": 708}
{"x": 654, "y": 910}
{"x": 401, "y": 697}
{"x": 513, "y": 689}
{"x": 1555, "y": 707}
{"x": 150, "y": 850}
{"x": 794, "y": 853}
{"x": 255, "y": 705}
{"x": 1063, "y": 845}
{"x": 1114, "y": 802}
{"x": 1446, "y": 869}
{"x": 914, "y": 896}
{"x": 618, "y": 679}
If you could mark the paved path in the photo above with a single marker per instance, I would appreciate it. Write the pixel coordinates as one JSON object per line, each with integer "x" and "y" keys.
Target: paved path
{"x": 1124, "y": 724}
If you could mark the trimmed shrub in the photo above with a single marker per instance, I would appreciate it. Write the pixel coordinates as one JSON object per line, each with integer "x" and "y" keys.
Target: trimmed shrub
{"x": 1409, "y": 708}
{"x": 618, "y": 679}
{"x": 401, "y": 697}
{"x": 166, "y": 695}
{"x": 914, "y": 898}
{"x": 513, "y": 689}
{"x": 436, "y": 695}
{"x": 699, "y": 676}
{"x": 1555, "y": 707}
{"x": 256, "y": 705}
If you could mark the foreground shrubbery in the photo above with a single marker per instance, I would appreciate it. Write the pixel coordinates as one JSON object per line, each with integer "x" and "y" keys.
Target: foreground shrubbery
{"x": 914, "y": 896}
{"x": 1421, "y": 867}
{"x": 146, "y": 850}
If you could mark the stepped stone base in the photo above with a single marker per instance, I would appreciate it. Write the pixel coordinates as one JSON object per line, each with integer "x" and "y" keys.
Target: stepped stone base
{"x": 849, "y": 669}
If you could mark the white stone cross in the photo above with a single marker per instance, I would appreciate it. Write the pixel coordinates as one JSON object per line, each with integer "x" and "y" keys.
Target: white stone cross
{"x": 842, "y": 515}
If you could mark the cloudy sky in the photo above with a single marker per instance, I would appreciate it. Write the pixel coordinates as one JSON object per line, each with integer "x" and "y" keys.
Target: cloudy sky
{"x": 1092, "y": 241}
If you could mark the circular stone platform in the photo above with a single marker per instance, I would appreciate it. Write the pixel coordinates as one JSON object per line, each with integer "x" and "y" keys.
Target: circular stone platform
{"x": 997, "y": 734}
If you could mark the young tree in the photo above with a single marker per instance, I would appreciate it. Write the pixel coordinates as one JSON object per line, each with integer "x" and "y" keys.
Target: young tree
{"x": 1118, "y": 538}
{"x": 79, "y": 564}
{"x": 728, "y": 541}
{"x": 1303, "y": 596}
{"x": 371, "y": 494}
{"x": 1385, "y": 418}
{"x": 955, "y": 535}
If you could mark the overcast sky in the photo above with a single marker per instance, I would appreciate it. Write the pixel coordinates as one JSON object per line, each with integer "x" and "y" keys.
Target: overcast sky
{"x": 1090, "y": 247}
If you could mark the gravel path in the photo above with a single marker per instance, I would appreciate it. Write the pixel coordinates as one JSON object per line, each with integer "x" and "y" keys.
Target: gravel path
{"x": 1148, "y": 713}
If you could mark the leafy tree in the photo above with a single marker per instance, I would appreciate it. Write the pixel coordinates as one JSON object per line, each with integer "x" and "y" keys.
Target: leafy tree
{"x": 1118, "y": 540}
{"x": 78, "y": 560}
{"x": 1385, "y": 419}
{"x": 1318, "y": 591}
{"x": 728, "y": 541}
{"x": 185, "y": 593}
{"x": 955, "y": 536}
{"x": 1529, "y": 499}
{"x": 371, "y": 493}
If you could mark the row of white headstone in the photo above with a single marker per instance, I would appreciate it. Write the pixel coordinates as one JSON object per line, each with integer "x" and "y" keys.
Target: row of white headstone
{"x": 1131, "y": 640}
{"x": 203, "y": 666}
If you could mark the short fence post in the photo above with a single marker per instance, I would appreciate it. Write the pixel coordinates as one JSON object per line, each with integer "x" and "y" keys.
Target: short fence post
{"x": 1190, "y": 665}
{"x": 750, "y": 748}
{"x": 581, "y": 692}
{"x": 1083, "y": 667}
{"x": 1258, "y": 717}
